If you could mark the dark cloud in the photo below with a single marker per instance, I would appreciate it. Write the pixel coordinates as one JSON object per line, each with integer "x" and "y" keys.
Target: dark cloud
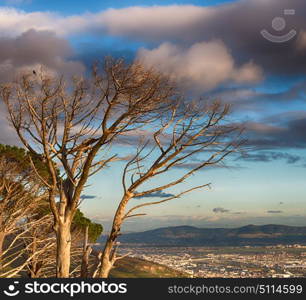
{"x": 245, "y": 98}
{"x": 88, "y": 197}
{"x": 220, "y": 166}
{"x": 270, "y": 156}
{"x": 293, "y": 93}
{"x": 158, "y": 194}
{"x": 33, "y": 49}
{"x": 220, "y": 210}
{"x": 8, "y": 135}
{"x": 272, "y": 138}
{"x": 286, "y": 133}
{"x": 274, "y": 211}
{"x": 188, "y": 25}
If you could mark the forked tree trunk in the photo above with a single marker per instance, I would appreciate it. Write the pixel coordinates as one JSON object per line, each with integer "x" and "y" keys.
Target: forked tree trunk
{"x": 63, "y": 238}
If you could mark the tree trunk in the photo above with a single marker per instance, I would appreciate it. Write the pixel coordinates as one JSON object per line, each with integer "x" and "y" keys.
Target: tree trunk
{"x": 85, "y": 257}
{"x": 63, "y": 238}
{"x": 106, "y": 264}
{"x": 109, "y": 254}
{"x": 2, "y": 237}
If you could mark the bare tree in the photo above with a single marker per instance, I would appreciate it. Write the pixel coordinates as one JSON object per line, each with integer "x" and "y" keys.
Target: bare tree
{"x": 20, "y": 193}
{"x": 189, "y": 139}
{"x": 40, "y": 247}
{"x": 71, "y": 125}
{"x": 85, "y": 257}
{"x": 31, "y": 250}
{"x": 21, "y": 196}
{"x": 23, "y": 249}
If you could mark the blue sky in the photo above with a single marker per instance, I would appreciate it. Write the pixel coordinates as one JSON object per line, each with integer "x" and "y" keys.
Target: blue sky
{"x": 220, "y": 44}
{"x": 79, "y": 6}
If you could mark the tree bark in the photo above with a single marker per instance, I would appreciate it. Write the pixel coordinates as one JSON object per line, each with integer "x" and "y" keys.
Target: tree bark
{"x": 106, "y": 263}
{"x": 85, "y": 257}
{"x": 63, "y": 238}
{"x": 2, "y": 237}
{"x": 109, "y": 254}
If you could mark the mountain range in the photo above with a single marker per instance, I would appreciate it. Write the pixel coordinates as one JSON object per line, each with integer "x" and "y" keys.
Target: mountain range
{"x": 252, "y": 235}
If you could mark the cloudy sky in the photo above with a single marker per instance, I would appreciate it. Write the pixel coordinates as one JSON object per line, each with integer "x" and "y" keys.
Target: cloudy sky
{"x": 215, "y": 49}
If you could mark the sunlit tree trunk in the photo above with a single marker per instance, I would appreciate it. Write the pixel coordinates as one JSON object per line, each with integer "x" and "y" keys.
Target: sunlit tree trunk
{"x": 110, "y": 250}
{"x": 2, "y": 237}
{"x": 63, "y": 238}
{"x": 106, "y": 261}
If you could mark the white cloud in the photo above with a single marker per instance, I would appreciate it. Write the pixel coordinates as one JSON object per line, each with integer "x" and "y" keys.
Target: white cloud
{"x": 14, "y": 22}
{"x": 155, "y": 21}
{"x": 203, "y": 65}
{"x": 131, "y": 21}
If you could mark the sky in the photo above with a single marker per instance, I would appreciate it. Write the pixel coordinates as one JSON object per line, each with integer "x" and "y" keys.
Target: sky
{"x": 249, "y": 53}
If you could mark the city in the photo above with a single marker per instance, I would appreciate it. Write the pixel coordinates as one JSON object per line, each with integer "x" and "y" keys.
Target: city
{"x": 228, "y": 262}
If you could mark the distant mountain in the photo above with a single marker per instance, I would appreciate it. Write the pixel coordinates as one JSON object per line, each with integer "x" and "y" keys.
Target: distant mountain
{"x": 192, "y": 236}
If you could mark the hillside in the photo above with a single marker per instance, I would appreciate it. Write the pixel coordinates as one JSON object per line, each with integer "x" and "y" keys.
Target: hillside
{"x": 130, "y": 267}
{"x": 192, "y": 236}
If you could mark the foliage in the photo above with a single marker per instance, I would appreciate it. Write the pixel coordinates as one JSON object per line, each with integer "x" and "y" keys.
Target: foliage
{"x": 80, "y": 222}
{"x": 23, "y": 158}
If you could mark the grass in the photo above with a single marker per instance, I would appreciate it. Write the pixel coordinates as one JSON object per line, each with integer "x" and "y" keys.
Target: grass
{"x": 131, "y": 267}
